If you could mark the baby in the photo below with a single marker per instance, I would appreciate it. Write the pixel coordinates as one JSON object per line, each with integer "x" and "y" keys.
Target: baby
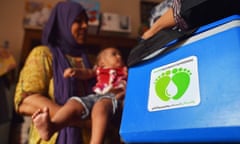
{"x": 111, "y": 76}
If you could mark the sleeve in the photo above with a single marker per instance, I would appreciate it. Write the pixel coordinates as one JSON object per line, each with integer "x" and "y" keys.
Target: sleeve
{"x": 35, "y": 76}
{"x": 159, "y": 10}
{"x": 181, "y": 23}
{"x": 197, "y": 13}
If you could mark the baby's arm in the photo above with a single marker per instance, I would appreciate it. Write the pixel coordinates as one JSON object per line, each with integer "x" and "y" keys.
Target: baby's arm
{"x": 80, "y": 73}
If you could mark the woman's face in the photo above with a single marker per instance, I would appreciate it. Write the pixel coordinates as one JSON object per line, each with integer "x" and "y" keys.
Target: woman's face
{"x": 79, "y": 29}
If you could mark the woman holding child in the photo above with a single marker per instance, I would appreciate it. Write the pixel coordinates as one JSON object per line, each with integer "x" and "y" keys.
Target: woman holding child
{"x": 41, "y": 82}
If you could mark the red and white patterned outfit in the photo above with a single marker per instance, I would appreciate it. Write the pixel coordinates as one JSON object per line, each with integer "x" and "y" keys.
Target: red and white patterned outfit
{"x": 108, "y": 78}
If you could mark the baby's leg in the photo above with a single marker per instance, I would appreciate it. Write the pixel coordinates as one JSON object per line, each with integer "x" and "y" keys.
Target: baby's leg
{"x": 68, "y": 115}
{"x": 41, "y": 120}
{"x": 101, "y": 113}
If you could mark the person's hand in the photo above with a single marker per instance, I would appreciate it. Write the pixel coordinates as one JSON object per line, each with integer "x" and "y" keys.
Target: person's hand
{"x": 165, "y": 21}
{"x": 69, "y": 72}
{"x": 125, "y": 70}
{"x": 148, "y": 34}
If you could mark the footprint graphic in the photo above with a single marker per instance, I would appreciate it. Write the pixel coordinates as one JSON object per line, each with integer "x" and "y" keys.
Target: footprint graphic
{"x": 179, "y": 77}
{"x": 161, "y": 85}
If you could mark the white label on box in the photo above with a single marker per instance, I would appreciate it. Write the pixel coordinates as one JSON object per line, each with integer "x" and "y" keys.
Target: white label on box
{"x": 175, "y": 85}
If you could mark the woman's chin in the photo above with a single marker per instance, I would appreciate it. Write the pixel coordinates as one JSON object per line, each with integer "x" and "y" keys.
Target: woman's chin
{"x": 80, "y": 41}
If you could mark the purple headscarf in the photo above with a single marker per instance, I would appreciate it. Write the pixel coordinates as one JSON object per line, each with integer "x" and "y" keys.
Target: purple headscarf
{"x": 57, "y": 35}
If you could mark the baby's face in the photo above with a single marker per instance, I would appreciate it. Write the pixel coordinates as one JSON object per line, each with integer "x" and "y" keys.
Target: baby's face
{"x": 112, "y": 58}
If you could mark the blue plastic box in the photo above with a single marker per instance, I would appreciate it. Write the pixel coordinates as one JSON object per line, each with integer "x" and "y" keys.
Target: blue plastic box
{"x": 189, "y": 94}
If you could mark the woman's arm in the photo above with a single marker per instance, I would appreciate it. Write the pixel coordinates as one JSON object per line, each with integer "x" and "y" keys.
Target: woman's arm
{"x": 32, "y": 90}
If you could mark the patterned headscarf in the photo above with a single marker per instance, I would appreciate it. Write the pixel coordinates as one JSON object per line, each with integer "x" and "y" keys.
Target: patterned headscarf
{"x": 57, "y": 35}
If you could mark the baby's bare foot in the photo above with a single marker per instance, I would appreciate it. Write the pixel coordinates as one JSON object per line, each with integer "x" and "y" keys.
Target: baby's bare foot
{"x": 42, "y": 122}
{"x": 36, "y": 113}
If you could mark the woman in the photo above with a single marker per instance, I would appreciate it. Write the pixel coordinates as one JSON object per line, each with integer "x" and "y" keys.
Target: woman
{"x": 41, "y": 83}
{"x": 102, "y": 104}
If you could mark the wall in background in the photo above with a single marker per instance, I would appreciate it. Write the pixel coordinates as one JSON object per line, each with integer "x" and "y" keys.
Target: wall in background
{"x": 12, "y": 13}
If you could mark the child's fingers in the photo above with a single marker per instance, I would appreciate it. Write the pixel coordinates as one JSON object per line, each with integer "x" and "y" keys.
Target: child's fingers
{"x": 36, "y": 113}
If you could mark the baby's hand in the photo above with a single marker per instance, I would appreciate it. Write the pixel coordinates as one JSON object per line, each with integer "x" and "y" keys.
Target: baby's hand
{"x": 125, "y": 69}
{"x": 120, "y": 90}
{"x": 69, "y": 72}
